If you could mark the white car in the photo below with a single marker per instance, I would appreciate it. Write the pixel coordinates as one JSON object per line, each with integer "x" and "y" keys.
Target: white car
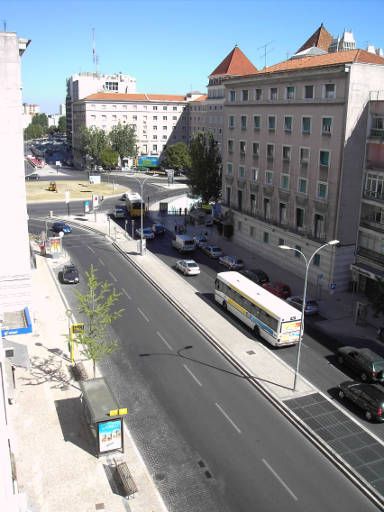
{"x": 188, "y": 267}
{"x": 147, "y": 233}
{"x": 212, "y": 251}
{"x": 231, "y": 262}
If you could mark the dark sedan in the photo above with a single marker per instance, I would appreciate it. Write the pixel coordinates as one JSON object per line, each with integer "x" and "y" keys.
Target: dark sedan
{"x": 70, "y": 274}
{"x": 57, "y": 227}
{"x": 368, "y": 397}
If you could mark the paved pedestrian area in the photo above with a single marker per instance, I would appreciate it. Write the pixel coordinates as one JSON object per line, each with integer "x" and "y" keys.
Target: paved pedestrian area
{"x": 358, "y": 448}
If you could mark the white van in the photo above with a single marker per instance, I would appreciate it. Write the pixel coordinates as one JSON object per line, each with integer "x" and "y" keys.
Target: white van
{"x": 184, "y": 243}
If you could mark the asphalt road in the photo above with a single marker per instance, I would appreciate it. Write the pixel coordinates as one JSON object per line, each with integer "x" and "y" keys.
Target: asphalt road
{"x": 256, "y": 459}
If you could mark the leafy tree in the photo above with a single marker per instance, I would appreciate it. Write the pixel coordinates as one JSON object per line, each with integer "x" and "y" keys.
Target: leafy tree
{"x": 41, "y": 120}
{"x": 123, "y": 140}
{"x": 62, "y": 124}
{"x": 52, "y": 130}
{"x": 33, "y": 131}
{"x": 96, "y": 305}
{"x": 93, "y": 141}
{"x": 204, "y": 178}
{"x": 177, "y": 156}
{"x": 109, "y": 158}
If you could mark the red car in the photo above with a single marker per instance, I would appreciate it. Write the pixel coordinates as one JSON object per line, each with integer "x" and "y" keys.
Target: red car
{"x": 280, "y": 289}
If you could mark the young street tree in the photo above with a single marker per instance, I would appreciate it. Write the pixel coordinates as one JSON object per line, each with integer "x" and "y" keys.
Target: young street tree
{"x": 62, "y": 124}
{"x": 109, "y": 158}
{"x": 123, "y": 140}
{"x": 96, "y": 307}
{"x": 93, "y": 141}
{"x": 204, "y": 177}
{"x": 177, "y": 156}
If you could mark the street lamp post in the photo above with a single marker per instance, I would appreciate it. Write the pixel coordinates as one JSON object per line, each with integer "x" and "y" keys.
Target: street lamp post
{"x": 141, "y": 182}
{"x": 307, "y": 264}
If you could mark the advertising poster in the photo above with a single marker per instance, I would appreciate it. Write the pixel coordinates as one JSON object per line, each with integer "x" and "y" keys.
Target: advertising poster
{"x": 55, "y": 245}
{"x": 110, "y": 435}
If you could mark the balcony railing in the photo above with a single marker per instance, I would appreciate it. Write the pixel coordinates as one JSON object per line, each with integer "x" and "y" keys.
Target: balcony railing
{"x": 377, "y": 133}
{"x": 374, "y": 194}
{"x": 371, "y": 223}
{"x": 371, "y": 255}
{"x": 315, "y": 237}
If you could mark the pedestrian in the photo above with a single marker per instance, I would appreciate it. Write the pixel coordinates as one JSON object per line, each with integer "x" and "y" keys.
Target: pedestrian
{"x": 175, "y": 228}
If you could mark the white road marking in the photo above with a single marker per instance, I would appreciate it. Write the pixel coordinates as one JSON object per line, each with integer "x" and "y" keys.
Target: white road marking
{"x": 143, "y": 314}
{"x": 92, "y": 249}
{"x": 113, "y": 277}
{"x": 228, "y": 418}
{"x": 280, "y": 480}
{"x": 192, "y": 375}
{"x": 164, "y": 340}
{"x": 101, "y": 261}
{"x": 126, "y": 294}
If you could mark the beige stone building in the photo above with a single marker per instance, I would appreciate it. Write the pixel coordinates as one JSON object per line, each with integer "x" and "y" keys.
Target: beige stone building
{"x": 293, "y": 156}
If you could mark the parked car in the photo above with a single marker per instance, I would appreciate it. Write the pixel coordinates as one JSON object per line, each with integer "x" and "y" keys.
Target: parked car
{"x": 281, "y": 290}
{"x": 32, "y": 176}
{"x": 120, "y": 212}
{"x": 61, "y": 226}
{"x": 212, "y": 251}
{"x": 148, "y": 234}
{"x": 368, "y": 397}
{"x": 311, "y": 306}
{"x": 70, "y": 274}
{"x": 257, "y": 276}
{"x": 363, "y": 361}
{"x": 158, "y": 229}
{"x": 200, "y": 240}
{"x": 188, "y": 267}
{"x": 231, "y": 262}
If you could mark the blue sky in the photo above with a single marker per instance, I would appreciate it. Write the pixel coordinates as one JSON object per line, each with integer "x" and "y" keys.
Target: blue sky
{"x": 169, "y": 46}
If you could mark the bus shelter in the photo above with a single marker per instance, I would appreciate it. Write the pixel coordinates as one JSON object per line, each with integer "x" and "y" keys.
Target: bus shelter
{"x": 103, "y": 415}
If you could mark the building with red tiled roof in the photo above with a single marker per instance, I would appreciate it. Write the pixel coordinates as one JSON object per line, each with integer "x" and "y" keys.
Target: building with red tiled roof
{"x": 158, "y": 119}
{"x": 207, "y": 114}
{"x": 293, "y": 158}
{"x": 321, "y": 38}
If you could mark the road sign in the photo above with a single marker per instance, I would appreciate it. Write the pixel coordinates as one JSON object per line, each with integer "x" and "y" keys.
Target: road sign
{"x": 77, "y": 328}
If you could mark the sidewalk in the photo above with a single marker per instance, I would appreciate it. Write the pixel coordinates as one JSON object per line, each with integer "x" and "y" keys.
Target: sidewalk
{"x": 56, "y": 466}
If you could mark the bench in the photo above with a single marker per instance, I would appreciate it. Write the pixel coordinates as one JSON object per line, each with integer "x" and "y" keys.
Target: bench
{"x": 126, "y": 479}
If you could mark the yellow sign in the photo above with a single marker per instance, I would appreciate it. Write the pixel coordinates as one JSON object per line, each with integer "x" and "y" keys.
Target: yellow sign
{"x": 77, "y": 328}
{"x": 118, "y": 412}
{"x": 113, "y": 412}
{"x": 122, "y": 411}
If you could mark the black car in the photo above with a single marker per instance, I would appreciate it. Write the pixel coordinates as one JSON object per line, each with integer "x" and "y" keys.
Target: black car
{"x": 363, "y": 361}
{"x": 257, "y": 276}
{"x": 70, "y": 274}
{"x": 61, "y": 226}
{"x": 368, "y": 397}
{"x": 32, "y": 176}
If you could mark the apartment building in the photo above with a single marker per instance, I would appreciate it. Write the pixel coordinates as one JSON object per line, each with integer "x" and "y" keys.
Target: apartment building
{"x": 368, "y": 268}
{"x": 158, "y": 119}
{"x": 83, "y": 84}
{"x": 293, "y": 156}
{"x": 15, "y": 273}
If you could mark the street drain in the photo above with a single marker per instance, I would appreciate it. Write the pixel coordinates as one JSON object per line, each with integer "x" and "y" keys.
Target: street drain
{"x": 99, "y": 506}
{"x": 251, "y": 352}
{"x": 207, "y": 474}
{"x": 159, "y": 476}
{"x": 201, "y": 464}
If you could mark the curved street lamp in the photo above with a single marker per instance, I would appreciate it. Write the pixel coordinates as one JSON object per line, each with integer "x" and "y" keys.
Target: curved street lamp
{"x": 141, "y": 182}
{"x": 307, "y": 263}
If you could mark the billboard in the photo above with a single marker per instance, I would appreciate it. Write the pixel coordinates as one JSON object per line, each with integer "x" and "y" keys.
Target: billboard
{"x": 110, "y": 435}
{"x": 148, "y": 161}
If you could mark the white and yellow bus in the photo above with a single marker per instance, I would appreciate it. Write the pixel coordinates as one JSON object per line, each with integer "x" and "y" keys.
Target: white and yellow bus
{"x": 134, "y": 204}
{"x": 267, "y": 315}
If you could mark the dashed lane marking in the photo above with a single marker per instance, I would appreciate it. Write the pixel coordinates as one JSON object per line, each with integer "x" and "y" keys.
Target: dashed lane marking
{"x": 192, "y": 375}
{"x": 143, "y": 314}
{"x": 228, "y": 418}
{"x": 164, "y": 340}
{"x": 279, "y": 479}
{"x": 126, "y": 294}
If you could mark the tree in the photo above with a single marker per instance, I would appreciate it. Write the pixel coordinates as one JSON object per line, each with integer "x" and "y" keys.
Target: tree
{"x": 109, "y": 158}
{"x": 177, "y": 156}
{"x": 204, "y": 178}
{"x": 41, "y": 120}
{"x": 33, "y": 131}
{"x": 93, "y": 141}
{"x": 62, "y": 124}
{"x": 96, "y": 306}
{"x": 123, "y": 140}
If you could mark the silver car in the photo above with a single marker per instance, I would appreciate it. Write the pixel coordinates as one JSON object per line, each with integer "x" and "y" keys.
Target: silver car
{"x": 311, "y": 306}
{"x": 212, "y": 251}
{"x": 231, "y": 262}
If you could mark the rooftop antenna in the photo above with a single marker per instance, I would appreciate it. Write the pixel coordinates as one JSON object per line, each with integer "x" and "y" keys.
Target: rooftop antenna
{"x": 4, "y": 25}
{"x": 264, "y": 47}
{"x": 95, "y": 57}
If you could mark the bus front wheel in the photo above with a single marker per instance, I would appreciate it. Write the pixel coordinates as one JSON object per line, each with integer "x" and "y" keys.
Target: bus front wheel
{"x": 224, "y": 305}
{"x": 256, "y": 332}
